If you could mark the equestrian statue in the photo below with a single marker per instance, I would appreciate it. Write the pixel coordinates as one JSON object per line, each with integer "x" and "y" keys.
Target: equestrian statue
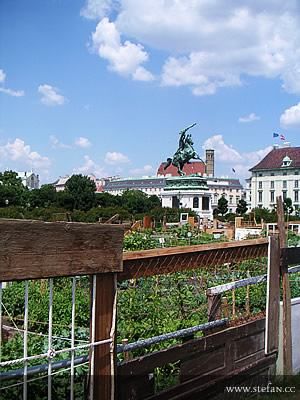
{"x": 184, "y": 153}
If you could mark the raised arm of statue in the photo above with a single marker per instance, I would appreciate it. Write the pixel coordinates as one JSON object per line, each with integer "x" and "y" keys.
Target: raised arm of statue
{"x": 182, "y": 136}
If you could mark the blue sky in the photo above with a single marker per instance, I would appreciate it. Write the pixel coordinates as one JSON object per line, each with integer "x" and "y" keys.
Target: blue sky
{"x": 104, "y": 86}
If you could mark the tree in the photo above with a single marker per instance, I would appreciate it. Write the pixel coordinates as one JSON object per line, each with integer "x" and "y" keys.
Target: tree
{"x": 10, "y": 178}
{"x": 135, "y": 201}
{"x": 11, "y": 189}
{"x": 241, "y": 207}
{"x": 222, "y": 206}
{"x": 82, "y": 189}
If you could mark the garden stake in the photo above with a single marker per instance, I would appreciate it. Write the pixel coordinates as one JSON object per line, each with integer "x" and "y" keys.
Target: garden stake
{"x": 247, "y": 296}
{"x": 126, "y": 354}
{"x": 233, "y": 298}
{"x": 225, "y": 307}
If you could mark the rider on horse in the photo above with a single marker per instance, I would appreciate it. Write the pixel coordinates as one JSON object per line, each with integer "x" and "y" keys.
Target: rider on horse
{"x": 184, "y": 153}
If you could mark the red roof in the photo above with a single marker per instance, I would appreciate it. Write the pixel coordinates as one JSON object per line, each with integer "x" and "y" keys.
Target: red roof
{"x": 192, "y": 168}
{"x": 273, "y": 160}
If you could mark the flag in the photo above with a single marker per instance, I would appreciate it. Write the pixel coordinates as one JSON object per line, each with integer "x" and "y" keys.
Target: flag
{"x": 282, "y": 137}
{"x": 233, "y": 169}
{"x": 275, "y": 135}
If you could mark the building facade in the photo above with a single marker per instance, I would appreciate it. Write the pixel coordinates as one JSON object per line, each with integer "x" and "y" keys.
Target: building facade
{"x": 277, "y": 174}
{"x": 29, "y": 179}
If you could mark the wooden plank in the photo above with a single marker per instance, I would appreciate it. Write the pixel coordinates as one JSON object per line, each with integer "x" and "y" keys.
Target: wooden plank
{"x": 290, "y": 255}
{"x": 214, "y": 307}
{"x": 34, "y": 249}
{"x": 273, "y": 296}
{"x": 286, "y": 318}
{"x": 103, "y": 377}
{"x": 144, "y": 263}
{"x": 204, "y": 387}
{"x": 147, "y": 363}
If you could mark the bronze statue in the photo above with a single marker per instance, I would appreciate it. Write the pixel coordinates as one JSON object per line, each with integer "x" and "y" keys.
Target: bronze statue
{"x": 184, "y": 153}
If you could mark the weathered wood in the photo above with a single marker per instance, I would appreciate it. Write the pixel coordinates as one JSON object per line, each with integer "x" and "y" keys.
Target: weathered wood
{"x": 206, "y": 387}
{"x": 228, "y": 356}
{"x": 147, "y": 363}
{"x": 214, "y": 308}
{"x": 286, "y": 318}
{"x": 290, "y": 255}
{"x": 103, "y": 377}
{"x": 151, "y": 262}
{"x": 273, "y": 296}
{"x": 34, "y": 249}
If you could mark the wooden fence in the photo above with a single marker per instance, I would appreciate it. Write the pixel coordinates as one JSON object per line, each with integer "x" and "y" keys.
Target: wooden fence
{"x": 31, "y": 250}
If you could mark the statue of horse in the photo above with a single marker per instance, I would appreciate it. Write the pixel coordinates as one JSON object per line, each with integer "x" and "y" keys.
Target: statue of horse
{"x": 184, "y": 153}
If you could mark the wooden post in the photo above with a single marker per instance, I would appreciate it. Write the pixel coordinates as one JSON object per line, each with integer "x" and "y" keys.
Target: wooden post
{"x": 233, "y": 298}
{"x": 247, "y": 297}
{"x": 273, "y": 296}
{"x": 214, "y": 310}
{"x": 286, "y": 318}
{"x": 125, "y": 353}
{"x": 225, "y": 307}
{"x": 147, "y": 222}
{"x": 104, "y": 361}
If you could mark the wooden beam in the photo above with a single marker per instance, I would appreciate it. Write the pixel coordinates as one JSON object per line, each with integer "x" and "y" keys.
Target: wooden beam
{"x": 144, "y": 263}
{"x": 34, "y": 249}
{"x": 290, "y": 256}
{"x": 104, "y": 371}
{"x": 273, "y": 296}
{"x": 286, "y": 318}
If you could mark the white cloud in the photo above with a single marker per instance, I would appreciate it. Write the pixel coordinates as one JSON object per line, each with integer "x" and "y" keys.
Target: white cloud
{"x": 16, "y": 93}
{"x": 252, "y": 117}
{"x": 90, "y": 166}
{"x": 290, "y": 119}
{"x": 11, "y": 92}
{"x": 83, "y": 142}
{"x": 208, "y": 44}
{"x": 50, "y": 96}
{"x": 97, "y": 9}
{"x": 226, "y": 157}
{"x": 2, "y": 75}
{"x": 146, "y": 170}
{"x": 56, "y": 144}
{"x": 223, "y": 152}
{"x": 114, "y": 158}
{"x": 124, "y": 59}
{"x": 18, "y": 151}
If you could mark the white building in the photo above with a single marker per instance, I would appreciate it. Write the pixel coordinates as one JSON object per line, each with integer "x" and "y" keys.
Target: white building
{"x": 277, "y": 174}
{"x": 29, "y": 179}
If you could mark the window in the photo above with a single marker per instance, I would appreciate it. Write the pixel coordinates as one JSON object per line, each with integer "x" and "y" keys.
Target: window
{"x": 296, "y": 196}
{"x": 272, "y": 173}
{"x": 230, "y": 200}
{"x": 205, "y": 203}
{"x": 272, "y": 184}
{"x": 285, "y": 173}
{"x": 296, "y": 172}
{"x": 216, "y": 197}
{"x": 284, "y": 184}
{"x": 260, "y": 185}
{"x": 259, "y": 174}
{"x": 237, "y": 199}
{"x": 296, "y": 184}
{"x": 230, "y": 190}
{"x": 272, "y": 197}
{"x": 259, "y": 197}
{"x": 284, "y": 194}
{"x": 196, "y": 202}
{"x": 237, "y": 190}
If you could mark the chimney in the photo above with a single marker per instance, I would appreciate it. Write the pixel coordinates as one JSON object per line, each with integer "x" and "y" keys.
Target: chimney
{"x": 210, "y": 162}
{"x": 287, "y": 144}
{"x": 275, "y": 146}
